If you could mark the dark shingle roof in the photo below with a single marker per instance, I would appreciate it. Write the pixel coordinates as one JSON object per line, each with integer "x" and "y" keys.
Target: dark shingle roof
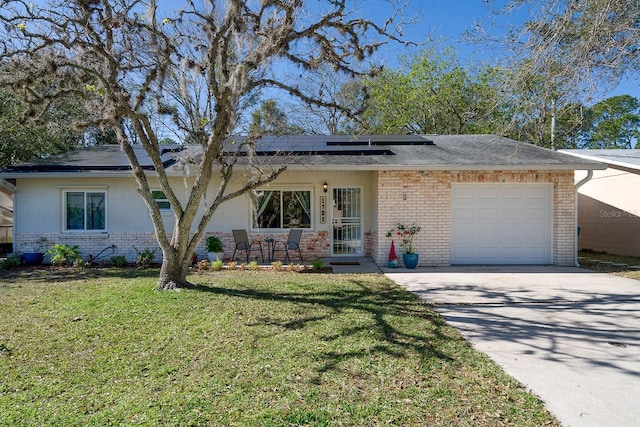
{"x": 103, "y": 157}
{"x": 339, "y": 152}
{"x": 420, "y": 152}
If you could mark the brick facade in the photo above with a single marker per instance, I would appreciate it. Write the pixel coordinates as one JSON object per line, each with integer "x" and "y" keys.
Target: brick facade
{"x": 564, "y": 221}
{"x": 313, "y": 244}
{"x": 424, "y": 198}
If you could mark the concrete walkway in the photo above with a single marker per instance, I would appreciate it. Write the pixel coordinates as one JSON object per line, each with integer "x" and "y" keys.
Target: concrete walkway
{"x": 569, "y": 335}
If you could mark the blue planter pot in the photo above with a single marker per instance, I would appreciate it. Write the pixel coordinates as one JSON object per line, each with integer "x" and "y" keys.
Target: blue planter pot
{"x": 32, "y": 258}
{"x": 410, "y": 260}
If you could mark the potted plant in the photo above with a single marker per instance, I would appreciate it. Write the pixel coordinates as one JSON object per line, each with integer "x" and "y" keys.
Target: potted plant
{"x": 214, "y": 248}
{"x": 35, "y": 254}
{"x": 406, "y": 235}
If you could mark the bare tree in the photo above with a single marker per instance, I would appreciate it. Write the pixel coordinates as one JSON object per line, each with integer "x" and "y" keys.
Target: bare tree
{"x": 339, "y": 87}
{"x": 559, "y": 54}
{"x": 270, "y": 119}
{"x": 196, "y": 65}
{"x": 588, "y": 43}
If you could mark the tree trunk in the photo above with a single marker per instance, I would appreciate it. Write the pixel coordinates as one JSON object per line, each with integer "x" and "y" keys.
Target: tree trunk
{"x": 173, "y": 273}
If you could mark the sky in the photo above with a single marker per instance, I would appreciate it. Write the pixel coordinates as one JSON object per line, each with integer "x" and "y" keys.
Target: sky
{"x": 441, "y": 20}
{"x": 447, "y": 20}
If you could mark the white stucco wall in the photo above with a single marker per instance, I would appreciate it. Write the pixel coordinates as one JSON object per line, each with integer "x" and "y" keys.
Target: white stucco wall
{"x": 39, "y": 210}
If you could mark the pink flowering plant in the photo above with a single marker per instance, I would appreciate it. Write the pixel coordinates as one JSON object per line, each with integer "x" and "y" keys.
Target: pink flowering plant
{"x": 405, "y": 234}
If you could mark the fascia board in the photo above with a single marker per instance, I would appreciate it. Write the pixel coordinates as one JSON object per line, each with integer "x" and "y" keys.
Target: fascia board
{"x": 614, "y": 164}
{"x": 448, "y": 167}
{"x": 83, "y": 174}
{"x": 303, "y": 167}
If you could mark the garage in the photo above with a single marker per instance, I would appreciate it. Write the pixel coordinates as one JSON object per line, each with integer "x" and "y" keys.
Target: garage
{"x": 501, "y": 223}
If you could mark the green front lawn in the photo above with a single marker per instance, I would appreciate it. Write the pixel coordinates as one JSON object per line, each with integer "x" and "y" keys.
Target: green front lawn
{"x": 101, "y": 347}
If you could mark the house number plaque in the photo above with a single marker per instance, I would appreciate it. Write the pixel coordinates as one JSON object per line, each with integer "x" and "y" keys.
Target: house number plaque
{"x": 323, "y": 209}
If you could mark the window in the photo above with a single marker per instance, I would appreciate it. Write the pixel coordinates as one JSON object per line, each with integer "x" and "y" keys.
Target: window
{"x": 282, "y": 209}
{"x": 85, "y": 210}
{"x": 161, "y": 199}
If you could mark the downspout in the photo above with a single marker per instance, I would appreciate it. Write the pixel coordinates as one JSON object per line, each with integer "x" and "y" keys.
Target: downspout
{"x": 579, "y": 184}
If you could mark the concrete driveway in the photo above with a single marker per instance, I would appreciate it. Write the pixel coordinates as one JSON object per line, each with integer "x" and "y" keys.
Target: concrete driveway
{"x": 571, "y": 336}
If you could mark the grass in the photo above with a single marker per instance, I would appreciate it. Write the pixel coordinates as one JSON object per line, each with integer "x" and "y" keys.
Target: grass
{"x": 245, "y": 348}
{"x": 588, "y": 260}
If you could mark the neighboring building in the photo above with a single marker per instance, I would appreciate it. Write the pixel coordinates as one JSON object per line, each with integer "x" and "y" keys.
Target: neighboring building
{"x": 6, "y": 219}
{"x": 609, "y": 203}
{"x": 480, "y": 199}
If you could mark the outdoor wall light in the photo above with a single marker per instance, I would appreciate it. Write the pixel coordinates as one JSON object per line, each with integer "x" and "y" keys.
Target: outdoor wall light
{"x": 325, "y": 187}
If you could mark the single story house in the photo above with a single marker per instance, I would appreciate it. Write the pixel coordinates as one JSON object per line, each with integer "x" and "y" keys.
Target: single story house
{"x": 609, "y": 203}
{"x": 479, "y": 199}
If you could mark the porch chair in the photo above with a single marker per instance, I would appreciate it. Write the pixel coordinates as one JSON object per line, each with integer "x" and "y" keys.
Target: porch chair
{"x": 242, "y": 244}
{"x": 292, "y": 243}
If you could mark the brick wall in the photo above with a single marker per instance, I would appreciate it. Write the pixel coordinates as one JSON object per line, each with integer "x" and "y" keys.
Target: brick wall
{"x": 564, "y": 224}
{"x": 313, "y": 244}
{"x": 415, "y": 197}
{"x": 93, "y": 244}
{"x": 424, "y": 197}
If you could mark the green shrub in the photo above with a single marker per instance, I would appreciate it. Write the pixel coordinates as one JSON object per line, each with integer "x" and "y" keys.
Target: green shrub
{"x": 217, "y": 264}
{"x": 253, "y": 265}
{"x": 317, "y": 264}
{"x": 277, "y": 265}
{"x": 62, "y": 254}
{"x": 118, "y": 261}
{"x": 213, "y": 244}
{"x": 10, "y": 263}
{"x": 144, "y": 257}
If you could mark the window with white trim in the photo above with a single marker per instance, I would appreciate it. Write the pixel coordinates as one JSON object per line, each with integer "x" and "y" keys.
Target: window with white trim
{"x": 85, "y": 210}
{"x": 161, "y": 199}
{"x": 277, "y": 209}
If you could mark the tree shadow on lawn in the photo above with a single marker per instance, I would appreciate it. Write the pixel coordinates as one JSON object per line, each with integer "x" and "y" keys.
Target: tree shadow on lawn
{"x": 399, "y": 323}
{"x": 391, "y": 315}
{"x": 51, "y": 274}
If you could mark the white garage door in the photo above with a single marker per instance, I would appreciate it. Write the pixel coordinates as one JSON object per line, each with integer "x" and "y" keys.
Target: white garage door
{"x": 501, "y": 223}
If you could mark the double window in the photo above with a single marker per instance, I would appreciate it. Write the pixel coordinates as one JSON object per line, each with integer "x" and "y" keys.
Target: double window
{"x": 279, "y": 209}
{"x": 85, "y": 210}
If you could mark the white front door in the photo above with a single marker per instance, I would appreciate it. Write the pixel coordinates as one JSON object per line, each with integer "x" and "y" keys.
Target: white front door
{"x": 346, "y": 217}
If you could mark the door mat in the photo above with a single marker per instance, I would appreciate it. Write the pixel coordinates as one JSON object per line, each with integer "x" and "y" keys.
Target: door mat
{"x": 345, "y": 263}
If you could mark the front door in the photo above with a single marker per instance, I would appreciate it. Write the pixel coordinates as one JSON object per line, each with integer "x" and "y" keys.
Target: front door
{"x": 347, "y": 221}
